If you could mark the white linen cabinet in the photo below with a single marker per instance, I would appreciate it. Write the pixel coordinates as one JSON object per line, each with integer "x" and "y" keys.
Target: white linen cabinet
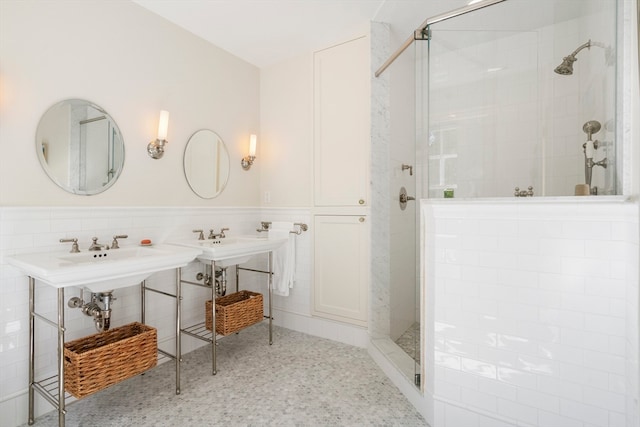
{"x": 341, "y": 112}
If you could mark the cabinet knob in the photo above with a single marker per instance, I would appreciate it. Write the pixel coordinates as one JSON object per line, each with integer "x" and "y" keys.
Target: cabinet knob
{"x": 361, "y": 219}
{"x": 361, "y": 201}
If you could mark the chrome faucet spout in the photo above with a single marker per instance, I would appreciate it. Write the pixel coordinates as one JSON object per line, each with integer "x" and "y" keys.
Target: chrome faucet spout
{"x": 220, "y": 235}
{"x": 95, "y": 246}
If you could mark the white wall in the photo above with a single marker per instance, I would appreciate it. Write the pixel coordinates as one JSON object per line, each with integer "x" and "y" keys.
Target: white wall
{"x": 133, "y": 64}
{"x": 286, "y": 101}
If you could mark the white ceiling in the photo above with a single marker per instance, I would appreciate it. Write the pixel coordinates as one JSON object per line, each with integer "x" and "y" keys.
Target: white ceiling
{"x": 264, "y": 32}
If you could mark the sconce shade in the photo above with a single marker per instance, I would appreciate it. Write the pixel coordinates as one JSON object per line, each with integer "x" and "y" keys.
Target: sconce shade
{"x": 163, "y": 125}
{"x": 252, "y": 145}
{"x": 155, "y": 149}
{"x": 247, "y": 161}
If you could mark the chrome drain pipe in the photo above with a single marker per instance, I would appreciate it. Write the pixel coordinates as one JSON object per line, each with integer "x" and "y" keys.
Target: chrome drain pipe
{"x": 99, "y": 308}
{"x": 220, "y": 279}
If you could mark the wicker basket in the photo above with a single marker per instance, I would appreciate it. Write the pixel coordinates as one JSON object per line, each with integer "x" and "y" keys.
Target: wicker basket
{"x": 235, "y": 311}
{"x": 98, "y": 361}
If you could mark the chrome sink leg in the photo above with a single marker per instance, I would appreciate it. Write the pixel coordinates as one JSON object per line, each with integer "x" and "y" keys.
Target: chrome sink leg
{"x": 213, "y": 323}
{"x": 270, "y": 285}
{"x": 178, "y": 326}
{"x": 61, "y": 405}
{"x": 32, "y": 357}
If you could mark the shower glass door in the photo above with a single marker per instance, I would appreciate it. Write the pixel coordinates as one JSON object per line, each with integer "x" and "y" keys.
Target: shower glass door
{"x": 504, "y": 115}
{"x": 404, "y": 289}
{"x": 484, "y": 134}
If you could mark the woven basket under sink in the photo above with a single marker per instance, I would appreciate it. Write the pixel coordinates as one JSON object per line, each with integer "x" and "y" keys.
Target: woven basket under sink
{"x": 98, "y": 361}
{"x": 235, "y": 311}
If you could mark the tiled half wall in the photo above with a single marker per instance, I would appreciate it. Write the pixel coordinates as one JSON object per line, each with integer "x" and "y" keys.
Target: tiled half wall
{"x": 534, "y": 308}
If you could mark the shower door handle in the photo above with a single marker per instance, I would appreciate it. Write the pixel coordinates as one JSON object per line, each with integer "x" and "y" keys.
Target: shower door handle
{"x": 404, "y": 198}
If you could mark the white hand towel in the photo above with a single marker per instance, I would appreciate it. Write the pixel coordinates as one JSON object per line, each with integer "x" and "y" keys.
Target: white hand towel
{"x": 284, "y": 258}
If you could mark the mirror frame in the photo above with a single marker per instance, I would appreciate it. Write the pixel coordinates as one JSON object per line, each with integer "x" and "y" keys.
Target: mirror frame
{"x": 190, "y": 180}
{"x": 42, "y": 150}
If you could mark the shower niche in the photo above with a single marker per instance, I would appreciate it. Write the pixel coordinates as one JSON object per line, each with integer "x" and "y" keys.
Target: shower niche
{"x": 528, "y": 102}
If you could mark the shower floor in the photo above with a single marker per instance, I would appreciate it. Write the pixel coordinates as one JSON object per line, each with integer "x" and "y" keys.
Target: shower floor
{"x": 409, "y": 342}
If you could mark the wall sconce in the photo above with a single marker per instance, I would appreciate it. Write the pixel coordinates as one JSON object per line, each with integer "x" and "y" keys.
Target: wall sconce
{"x": 247, "y": 161}
{"x": 155, "y": 149}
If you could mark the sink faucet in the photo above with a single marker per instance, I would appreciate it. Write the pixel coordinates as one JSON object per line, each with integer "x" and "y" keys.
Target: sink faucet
{"x": 221, "y": 235}
{"x": 74, "y": 247}
{"x": 95, "y": 246}
{"x": 114, "y": 244}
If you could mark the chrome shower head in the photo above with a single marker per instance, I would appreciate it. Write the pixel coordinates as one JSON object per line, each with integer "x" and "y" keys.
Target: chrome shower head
{"x": 566, "y": 68}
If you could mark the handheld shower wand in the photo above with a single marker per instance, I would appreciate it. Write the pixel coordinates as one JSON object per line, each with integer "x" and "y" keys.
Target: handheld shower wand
{"x": 591, "y": 127}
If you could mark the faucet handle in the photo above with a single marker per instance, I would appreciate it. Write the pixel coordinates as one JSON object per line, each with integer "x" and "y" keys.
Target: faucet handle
{"x": 114, "y": 244}
{"x": 74, "y": 247}
{"x": 222, "y": 230}
{"x": 265, "y": 226}
{"x": 201, "y": 236}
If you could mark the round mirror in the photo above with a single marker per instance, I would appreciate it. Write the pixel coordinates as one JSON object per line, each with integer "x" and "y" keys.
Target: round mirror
{"x": 206, "y": 164}
{"x": 80, "y": 147}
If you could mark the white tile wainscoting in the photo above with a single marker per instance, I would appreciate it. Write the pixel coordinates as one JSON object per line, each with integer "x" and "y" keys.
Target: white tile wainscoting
{"x": 534, "y": 303}
{"x": 25, "y": 229}
{"x": 535, "y": 311}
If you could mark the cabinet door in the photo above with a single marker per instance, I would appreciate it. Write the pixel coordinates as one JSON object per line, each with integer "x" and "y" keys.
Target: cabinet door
{"x": 341, "y": 124}
{"x": 340, "y": 268}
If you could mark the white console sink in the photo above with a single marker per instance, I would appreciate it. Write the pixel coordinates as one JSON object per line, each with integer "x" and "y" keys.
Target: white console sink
{"x": 103, "y": 270}
{"x": 232, "y": 250}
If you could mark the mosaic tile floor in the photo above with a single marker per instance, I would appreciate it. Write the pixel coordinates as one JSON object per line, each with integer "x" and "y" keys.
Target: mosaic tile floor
{"x": 300, "y": 380}
{"x": 409, "y": 341}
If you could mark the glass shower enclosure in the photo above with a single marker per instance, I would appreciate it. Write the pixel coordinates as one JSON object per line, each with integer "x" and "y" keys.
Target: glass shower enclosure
{"x": 515, "y": 99}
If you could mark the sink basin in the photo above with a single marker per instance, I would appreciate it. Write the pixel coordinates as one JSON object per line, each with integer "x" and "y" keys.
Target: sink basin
{"x": 104, "y": 270}
{"x": 232, "y": 250}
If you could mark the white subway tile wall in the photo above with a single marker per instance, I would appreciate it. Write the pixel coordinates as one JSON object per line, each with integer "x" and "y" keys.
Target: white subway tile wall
{"x": 39, "y": 229}
{"x": 535, "y": 312}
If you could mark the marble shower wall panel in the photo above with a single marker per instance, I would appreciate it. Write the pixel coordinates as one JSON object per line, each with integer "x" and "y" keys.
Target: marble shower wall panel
{"x": 380, "y": 300}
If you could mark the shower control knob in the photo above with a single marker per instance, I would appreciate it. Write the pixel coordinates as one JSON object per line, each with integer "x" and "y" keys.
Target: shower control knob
{"x": 523, "y": 193}
{"x": 403, "y": 198}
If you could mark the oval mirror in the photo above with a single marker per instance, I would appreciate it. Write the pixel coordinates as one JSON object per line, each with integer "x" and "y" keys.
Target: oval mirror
{"x": 206, "y": 164}
{"x": 80, "y": 147}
